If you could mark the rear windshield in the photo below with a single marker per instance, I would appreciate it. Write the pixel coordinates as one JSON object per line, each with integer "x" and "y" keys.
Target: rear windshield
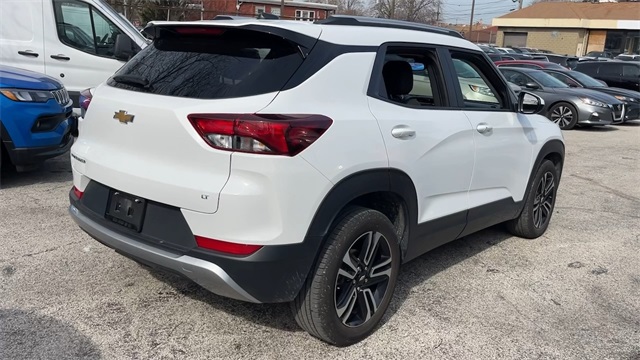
{"x": 211, "y": 63}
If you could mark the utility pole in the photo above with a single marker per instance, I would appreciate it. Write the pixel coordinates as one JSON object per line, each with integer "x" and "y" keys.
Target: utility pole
{"x": 438, "y": 14}
{"x": 282, "y": 9}
{"x": 473, "y": 5}
{"x": 519, "y": 4}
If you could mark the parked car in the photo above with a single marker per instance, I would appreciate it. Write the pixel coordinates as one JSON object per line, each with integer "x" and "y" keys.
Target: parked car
{"x": 80, "y": 43}
{"x": 499, "y": 57}
{"x": 488, "y": 49}
{"x": 567, "y": 106}
{"x": 628, "y": 57}
{"x": 506, "y": 50}
{"x": 596, "y": 55}
{"x": 519, "y": 50}
{"x": 255, "y": 200}
{"x": 530, "y": 64}
{"x": 568, "y": 62}
{"x": 576, "y": 79}
{"x": 622, "y": 74}
{"x": 35, "y": 118}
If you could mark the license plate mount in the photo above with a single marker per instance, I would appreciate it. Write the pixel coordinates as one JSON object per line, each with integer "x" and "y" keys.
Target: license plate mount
{"x": 126, "y": 210}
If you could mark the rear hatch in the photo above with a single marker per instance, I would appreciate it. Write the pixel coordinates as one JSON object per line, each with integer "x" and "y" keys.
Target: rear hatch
{"x": 136, "y": 136}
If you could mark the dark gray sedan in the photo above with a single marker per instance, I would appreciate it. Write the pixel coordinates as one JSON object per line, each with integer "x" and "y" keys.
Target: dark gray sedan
{"x": 576, "y": 79}
{"x": 564, "y": 105}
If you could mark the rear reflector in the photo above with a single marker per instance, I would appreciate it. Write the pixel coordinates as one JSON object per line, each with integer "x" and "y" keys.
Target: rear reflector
{"x": 77, "y": 192}
{"x": 260, "y": 134}
{"x": 226, "y": 247}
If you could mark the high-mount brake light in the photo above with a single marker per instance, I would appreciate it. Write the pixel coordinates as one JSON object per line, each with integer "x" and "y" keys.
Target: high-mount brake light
{"x": 199, "y": 30}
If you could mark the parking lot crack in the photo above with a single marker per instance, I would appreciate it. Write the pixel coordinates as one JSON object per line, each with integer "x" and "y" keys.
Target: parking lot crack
{"x": 611, "y": 190}
{"x": 50, "y": 249}
{"x": 597, "y": 210}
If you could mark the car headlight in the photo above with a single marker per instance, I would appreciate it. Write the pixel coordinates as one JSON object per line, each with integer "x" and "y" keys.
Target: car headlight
{"x": 626, "y": 98}
{"x": 27, "y": 95}
{"x": 593, "y": 102}
{"x": 481, "y": 90}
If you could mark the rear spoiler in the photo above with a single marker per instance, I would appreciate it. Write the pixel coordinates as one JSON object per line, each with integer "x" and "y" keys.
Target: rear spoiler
{"x": 156, "y": 29}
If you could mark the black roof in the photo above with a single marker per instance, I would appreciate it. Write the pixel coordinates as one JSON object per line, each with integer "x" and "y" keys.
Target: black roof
{"x": 386, "y": 23}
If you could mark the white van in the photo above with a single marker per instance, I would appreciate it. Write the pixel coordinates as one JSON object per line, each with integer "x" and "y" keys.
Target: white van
{"x": 79, "y": 42}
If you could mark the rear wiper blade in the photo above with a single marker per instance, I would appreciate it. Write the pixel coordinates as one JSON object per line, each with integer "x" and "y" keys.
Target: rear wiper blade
{"x": 133, "y": 80}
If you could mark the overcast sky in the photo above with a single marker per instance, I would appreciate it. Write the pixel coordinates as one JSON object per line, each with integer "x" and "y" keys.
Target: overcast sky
{"x": 459, "y": 11}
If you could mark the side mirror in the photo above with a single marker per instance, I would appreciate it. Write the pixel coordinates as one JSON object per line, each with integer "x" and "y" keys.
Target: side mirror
{"x": 123, "y": 48}
{"x": 604, "y": 83}
{"x": 529, "y": 103}
{"x": 572, "y": 85}
{"x": 532, "y": 86}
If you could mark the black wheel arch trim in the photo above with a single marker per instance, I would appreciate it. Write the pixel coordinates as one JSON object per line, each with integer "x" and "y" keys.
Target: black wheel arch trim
{"x": 359, "y": 184}
{"x": 551, "y": 147}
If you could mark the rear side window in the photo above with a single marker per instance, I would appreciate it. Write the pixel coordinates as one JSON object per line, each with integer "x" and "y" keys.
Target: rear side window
{"x": 588, "y": 68}
{"x": 610, "y": 69}
{"x": 211, "y": 63}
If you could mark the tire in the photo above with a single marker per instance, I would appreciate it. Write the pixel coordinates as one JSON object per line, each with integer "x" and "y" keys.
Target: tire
{"x": 340, "y": 303}
{"x": 563, "y": 114}
{"x": 539, "y": 204}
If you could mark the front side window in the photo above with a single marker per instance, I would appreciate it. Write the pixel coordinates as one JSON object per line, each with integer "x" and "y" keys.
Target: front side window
{"x": 478, "y": 82}
{"x": 565, "y": 79}
{"x": 82, "y": 27}
{"x": 516, "y": 77}
{"x": 547, "y": 80}
{"x": 411, "y": 77}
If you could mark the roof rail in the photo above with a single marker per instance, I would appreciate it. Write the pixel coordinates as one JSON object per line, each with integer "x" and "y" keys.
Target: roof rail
{"x": 231, "y": 17}
{"x": 240, "y": 17}
{"x": 386, "y": 23}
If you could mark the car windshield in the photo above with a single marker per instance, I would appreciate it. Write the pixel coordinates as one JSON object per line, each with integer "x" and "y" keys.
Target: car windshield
{"x": 547, "y": 80}
{"x": 585, "y": 79}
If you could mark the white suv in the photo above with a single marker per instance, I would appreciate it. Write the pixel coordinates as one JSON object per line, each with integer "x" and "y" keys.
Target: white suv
{"x": 283, "y": 161}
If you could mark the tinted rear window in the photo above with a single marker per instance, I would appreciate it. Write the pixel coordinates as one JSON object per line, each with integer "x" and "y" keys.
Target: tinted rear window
{"x": 220, "y": 64}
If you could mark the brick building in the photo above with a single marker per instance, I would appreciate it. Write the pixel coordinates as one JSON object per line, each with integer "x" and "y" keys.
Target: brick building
{"x": 295, "y": 10}
{"x": 573, "y": 28}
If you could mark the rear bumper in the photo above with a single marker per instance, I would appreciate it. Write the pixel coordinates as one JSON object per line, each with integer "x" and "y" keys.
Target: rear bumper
{"x": 206, "y": 274}
{"x": 275, "y": 273}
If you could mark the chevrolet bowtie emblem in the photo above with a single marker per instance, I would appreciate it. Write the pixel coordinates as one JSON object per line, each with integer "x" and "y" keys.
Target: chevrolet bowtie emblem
{"x": 123, "y": 117}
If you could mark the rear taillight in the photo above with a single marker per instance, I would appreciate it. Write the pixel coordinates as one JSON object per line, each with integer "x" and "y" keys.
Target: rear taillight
{"x": 85, "y": 99}
{"x": 260, "y": 134}
{"x": 226, "y": 247}
{"x": 77, "y": 192}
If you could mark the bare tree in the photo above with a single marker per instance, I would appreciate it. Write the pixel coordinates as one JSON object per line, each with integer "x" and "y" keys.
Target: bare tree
{"x": 423, "y": 11}
{"x": 349, "y": 7}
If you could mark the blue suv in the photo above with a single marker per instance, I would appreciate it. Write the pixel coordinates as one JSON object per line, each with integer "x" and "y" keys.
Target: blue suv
{"x": 36, "y": 119}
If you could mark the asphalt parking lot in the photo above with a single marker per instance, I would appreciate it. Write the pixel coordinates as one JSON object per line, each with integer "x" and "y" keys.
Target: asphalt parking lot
{"x": 572, "y": 294}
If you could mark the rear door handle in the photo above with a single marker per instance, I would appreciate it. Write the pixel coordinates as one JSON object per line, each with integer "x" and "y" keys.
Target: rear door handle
{"x": 403, "y": 132}
{"x": 60, "y": 57}
{"x": 484, "y": 128}
{"x": 29, "y": 53}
